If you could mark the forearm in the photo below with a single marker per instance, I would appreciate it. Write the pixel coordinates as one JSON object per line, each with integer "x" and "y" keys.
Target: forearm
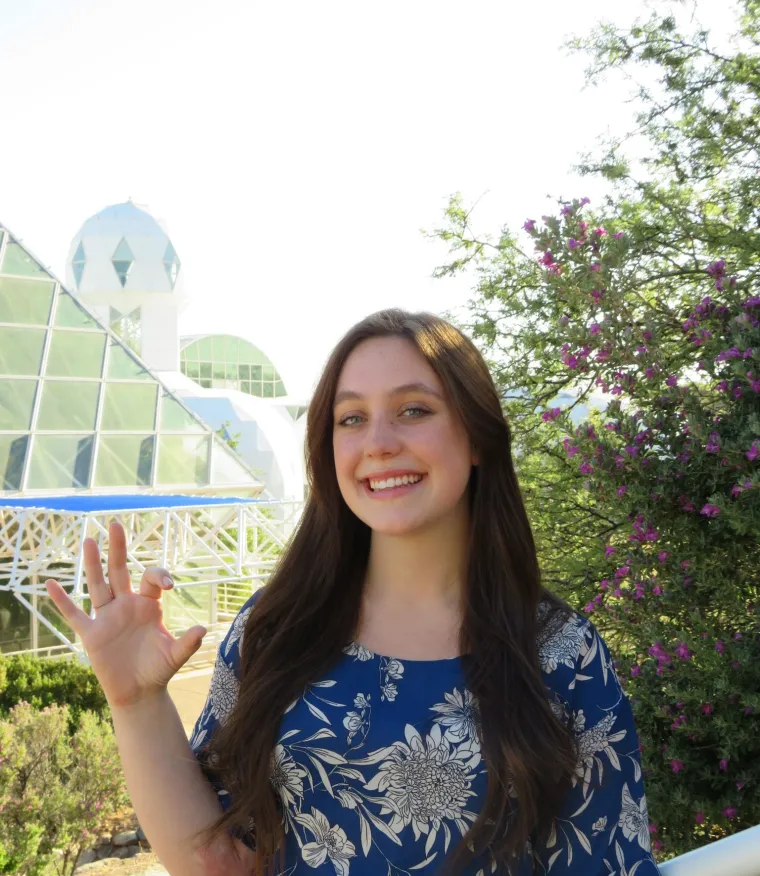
{"x": 172, "y": 798}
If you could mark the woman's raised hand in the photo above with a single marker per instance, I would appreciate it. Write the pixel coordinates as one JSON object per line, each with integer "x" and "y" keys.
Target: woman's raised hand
{"x": 131, "y": 652}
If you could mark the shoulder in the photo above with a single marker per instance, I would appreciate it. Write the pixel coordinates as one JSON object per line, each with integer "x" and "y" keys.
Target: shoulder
{"x": 232, "y": 644}
{"x": 570, "y": 648}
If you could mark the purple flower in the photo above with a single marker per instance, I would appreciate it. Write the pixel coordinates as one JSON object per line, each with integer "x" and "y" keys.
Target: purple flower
{"x": 585, "y": 201}
{"x": 713, "y": 445}
{"x": 551, "y": 414}
{"x": 530, "y": 226}
{"x": 730, "y": 812}
{"x": 723, "y": 764}
{"x": 672, "y": 380}
{"x": 609, "y": 550}
{"x": 754, "y": 451}
{"x": 617, "y": 235}
{"x": 573, "y": 243}
{"x": 682, "y": 651}
{"x": 676, "y": 765}
{"x": 707, "y": 708}
{"x": 720, "y": 646}
{"x": 622, "y": 571}
{"x": 662, "y": 556}
{"x": 716, "y": 269}
{"x": 710, "y": 510}
{"x": 586, "y": 468}
{"x": 596, "y": 266}
{"x": 635, "y": 670}
{"x": 700, "y": 818}
{"x": 621, "y": 491}
{"x": 595, "y": 328}
{"x": 657, "y": 590}
{"x": 566, "y": 210}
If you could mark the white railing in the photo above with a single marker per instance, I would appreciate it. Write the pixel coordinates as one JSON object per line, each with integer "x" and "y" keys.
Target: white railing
{"x": 737, "y": 855}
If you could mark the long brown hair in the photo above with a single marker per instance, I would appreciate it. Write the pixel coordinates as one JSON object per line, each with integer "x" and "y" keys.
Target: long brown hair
{"x": 309, "y": 612}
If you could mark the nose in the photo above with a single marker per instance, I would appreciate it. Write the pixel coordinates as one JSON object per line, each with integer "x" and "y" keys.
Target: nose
{"x": 381, "y": 439}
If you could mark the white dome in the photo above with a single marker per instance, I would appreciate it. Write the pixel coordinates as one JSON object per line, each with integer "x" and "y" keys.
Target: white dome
{"x": 122, "y": 249}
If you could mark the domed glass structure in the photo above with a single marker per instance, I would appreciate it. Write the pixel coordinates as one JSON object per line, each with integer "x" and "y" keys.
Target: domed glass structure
{"x": 230, "y": 362}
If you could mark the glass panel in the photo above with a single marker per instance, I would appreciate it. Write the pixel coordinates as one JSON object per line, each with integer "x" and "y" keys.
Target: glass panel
{"x": 16, "y": 403}
{"x": 225, "y": 468}
{"x": 192, "y": 369}
{"x": 2, "y": 235}
{"x": 78, "y": 263}
{"x": 206, "y": 384}
{"x": 70, "y": 314}
{"x": 16, "y": 261}
{"x": 255, "y": 372}
{"x": 183, "y": 460}
{"x": 60, "y": 462}
{"x": 279, "y": 388}
{"x": 129, "y": 407}
{"x": 249, "y": 353}
{"x": 204, "y": 349}
{"x": 267, "y": 373}
{"x": 122, "y": 269}
{"x": 218, "y": 353}
{"x": 175, "y": 418}
{"x": 230, "y": 371}
{"x": 244, "y": 372}
{"x": 123, "y": 252}
{"x": 21, "y": 350}
{"x": 205, "y": 370}
{"x": 68, "y": 404}
{"x": 124, "y": 460}
{"x": 268, "y": 390}
{"x": 219, "y": 371}
{"x": 121, "y": 365}
{"x": 12, "y": 456}
{"x": 245, "y": 386}
{"x": 257, "y": 388}
{"x": 25, "y": 301}
{"x": 76, "y": 354}
{"x": 15, "y": 624}
{"x": 233, "y": 348}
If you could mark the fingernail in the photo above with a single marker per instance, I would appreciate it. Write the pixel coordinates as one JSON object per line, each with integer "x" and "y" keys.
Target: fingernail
{"x": 168, "y": 582}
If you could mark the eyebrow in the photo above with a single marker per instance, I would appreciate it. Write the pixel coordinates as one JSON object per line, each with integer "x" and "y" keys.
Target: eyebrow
{"x": 350, "y": 395}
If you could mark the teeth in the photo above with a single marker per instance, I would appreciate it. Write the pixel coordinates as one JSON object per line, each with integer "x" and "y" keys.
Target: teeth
{"x": 404, "y": 480}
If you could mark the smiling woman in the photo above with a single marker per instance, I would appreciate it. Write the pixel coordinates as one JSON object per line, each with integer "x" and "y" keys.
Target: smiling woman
{"x": 404, "y": 695}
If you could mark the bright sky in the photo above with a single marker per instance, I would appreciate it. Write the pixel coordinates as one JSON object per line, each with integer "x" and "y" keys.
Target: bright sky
{"x": 295, "y": 149}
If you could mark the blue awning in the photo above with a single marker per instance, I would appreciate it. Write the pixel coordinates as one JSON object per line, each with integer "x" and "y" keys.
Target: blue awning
{"x": 85, "y": 504}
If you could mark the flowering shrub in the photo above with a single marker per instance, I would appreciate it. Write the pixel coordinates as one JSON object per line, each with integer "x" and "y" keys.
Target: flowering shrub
{"x": 56, "y": 790}
{"x": 627, "y": 346}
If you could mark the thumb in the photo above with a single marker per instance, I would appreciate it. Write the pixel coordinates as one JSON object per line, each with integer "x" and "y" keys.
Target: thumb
{"x": 186, "y": 645}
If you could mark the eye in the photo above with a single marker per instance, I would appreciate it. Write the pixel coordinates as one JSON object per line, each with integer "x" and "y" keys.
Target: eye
{"x": 350, "y": 420}
{"x": 414, "y": 412}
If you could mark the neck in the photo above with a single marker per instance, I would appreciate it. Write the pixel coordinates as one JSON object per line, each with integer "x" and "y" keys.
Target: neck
{"x": 422, "y": 568}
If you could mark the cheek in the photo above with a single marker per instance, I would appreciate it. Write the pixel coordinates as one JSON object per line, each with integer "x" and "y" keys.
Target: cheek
{"x": 344, "y": 454}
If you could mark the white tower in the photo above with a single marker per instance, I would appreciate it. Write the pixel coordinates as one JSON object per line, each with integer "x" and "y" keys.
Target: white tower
{"x": 123, "y": 265}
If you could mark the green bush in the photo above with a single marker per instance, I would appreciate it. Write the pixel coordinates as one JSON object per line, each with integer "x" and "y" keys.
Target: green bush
{"x": 56, "y": 791}
{"x": 42, "y": 682}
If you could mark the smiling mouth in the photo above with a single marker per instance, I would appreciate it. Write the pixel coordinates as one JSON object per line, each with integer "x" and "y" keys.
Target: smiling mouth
{"x": 377, "y": 486}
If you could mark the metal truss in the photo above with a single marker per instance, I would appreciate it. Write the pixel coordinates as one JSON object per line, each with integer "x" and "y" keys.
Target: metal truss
{"x": 231, "y": 549}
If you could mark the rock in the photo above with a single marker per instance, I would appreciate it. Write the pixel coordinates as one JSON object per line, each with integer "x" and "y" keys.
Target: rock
{"x": 141, "y": 835}
{"x": 125, "y": 838}
{"x": 104, "y": 852}
{"x": 103, "y": 840}
{"x": 134, "y": 851}
{"x": 121, "y": 852}
{"x": 87, "y": 857}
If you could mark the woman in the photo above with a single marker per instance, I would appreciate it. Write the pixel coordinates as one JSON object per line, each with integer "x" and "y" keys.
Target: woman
{"x": 403, "y": 696}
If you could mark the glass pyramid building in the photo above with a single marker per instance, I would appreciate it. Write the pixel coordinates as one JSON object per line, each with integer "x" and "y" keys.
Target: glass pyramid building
{"x": 79, "y": 411}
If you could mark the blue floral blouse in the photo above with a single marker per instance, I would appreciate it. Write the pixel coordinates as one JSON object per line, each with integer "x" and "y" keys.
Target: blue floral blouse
{"x": 379, "y": 771}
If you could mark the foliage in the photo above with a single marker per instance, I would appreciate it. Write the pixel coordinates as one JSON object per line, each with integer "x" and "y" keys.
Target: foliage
{"x": 43, "y": 682}
{"x": 647, "y": 508}
{"x": 224, "y": 433}
{"x": 56, "y": 791}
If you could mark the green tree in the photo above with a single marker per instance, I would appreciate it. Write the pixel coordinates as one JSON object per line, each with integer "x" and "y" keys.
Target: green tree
{"x": 647, "y": 508}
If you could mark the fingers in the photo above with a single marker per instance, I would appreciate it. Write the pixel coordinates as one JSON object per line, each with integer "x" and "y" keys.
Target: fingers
{"x": 97, "y": 588}
{"x": 76, "y": 618}
{"x": 154, "y": 581}
{"x": 186, "y": 645}
{"x": 118, "y": 573}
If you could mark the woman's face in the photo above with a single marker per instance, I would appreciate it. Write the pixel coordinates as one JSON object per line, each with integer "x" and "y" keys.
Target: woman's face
{"x": 402, "y": 455}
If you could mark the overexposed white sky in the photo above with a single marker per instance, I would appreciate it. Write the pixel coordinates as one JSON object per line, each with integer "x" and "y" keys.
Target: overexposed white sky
{"x": 295, "y": 148}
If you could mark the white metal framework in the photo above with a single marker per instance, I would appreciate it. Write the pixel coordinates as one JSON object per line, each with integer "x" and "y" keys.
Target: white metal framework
{"x": 218, "y": 554}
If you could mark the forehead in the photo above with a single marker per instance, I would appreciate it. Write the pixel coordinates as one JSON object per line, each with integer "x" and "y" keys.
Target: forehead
{"x": 376, "y": 366}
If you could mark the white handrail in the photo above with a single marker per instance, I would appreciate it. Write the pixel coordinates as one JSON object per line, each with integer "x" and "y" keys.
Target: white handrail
{"x": 737, "y": 855}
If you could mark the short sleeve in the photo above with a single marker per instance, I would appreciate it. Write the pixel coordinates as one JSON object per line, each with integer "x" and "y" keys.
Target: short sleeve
{"x": 603, "y": 827}
{"x": 222, "y": 695}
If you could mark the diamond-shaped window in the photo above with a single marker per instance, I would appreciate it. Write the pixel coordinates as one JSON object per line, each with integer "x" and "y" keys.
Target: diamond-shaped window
{"x": 122, "y": 260}
{"x": 171, "y": 263}
{"x": 78, "y": 263}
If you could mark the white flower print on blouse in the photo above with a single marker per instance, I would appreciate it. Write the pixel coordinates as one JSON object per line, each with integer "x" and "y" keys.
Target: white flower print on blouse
{"x": 357, "y": 722}
{"x": 460, "y": 715}
{"x": 634, "y": 819}
{"x": 590, "y": 744}
{"x": 224, "y": 690}
{"x": 286, "y": 777}
{"x": 358, "y": 652}
{"x": 427, "y": 781}
{"x": 329, "y": 842}
{"x": 236, "y": 633}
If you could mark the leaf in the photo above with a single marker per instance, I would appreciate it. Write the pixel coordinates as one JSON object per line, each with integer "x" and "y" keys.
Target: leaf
{"x": 430, "y": 842}
{"x": 350, "y": 774}
{"x": 582, "y": 838}
{"x": 584, "y": 805}
{"x": 366, "y": 834}
{"x": 374, "y": 756}
{"x": 382, "y": 826}
{"x": 331, "y": 703}
{"x": 318, "y": 713}
{"x": 446, "y": 837}
{"x": 289, "y": 734}
{"x": 554, "y": 857}
{"x": 424, "y": 863}
{"x": 326, "y": 683}
{"x": 590, "y": 654}
{"x": 322, "y": 774}
{"x": 635, "y": 867}
{"x": 331, "y": 757}
{"x": 551, "y": 842}
{"x": 636, "y": 769}
{"x": 620, "y": 856}
{"x": 324, "y": 733}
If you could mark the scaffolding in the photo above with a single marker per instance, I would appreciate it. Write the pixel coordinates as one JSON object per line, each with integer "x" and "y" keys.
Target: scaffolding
{"x": 218, "y": 551}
